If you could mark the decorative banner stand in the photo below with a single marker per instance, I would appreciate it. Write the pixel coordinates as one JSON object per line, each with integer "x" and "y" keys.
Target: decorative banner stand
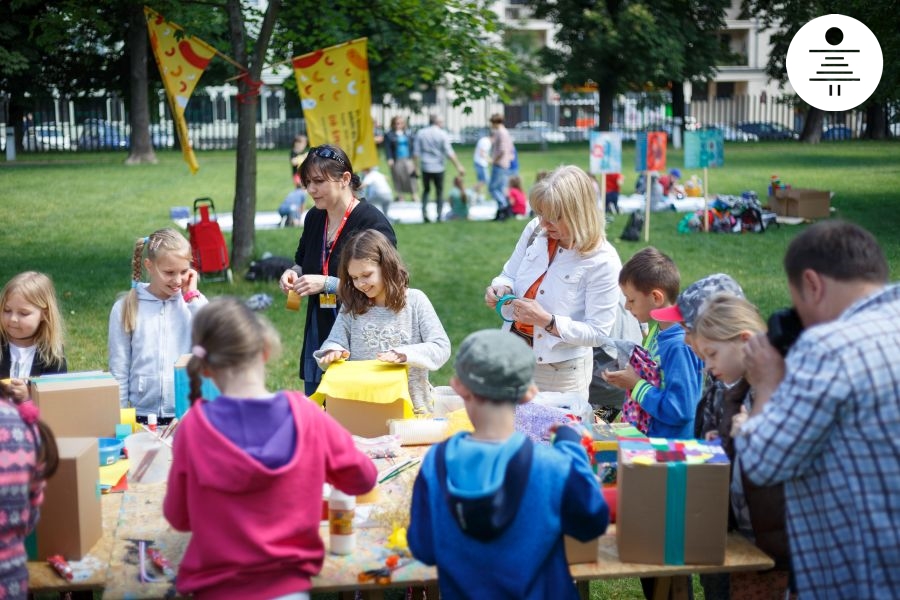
{"x": 605, "y": 157}
{"x": 704, "y": 148}
{"x": 650, "y": 155}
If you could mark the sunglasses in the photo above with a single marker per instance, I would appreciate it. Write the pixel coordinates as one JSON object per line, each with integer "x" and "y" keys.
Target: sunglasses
{"x": 329, "y": 153}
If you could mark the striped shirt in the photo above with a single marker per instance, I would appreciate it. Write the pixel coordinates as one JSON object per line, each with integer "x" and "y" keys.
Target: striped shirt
{"x": 831, "y": 433}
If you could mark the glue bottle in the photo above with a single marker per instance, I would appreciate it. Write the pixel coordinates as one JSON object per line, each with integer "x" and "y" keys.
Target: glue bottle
{"x": 341, "y": 510}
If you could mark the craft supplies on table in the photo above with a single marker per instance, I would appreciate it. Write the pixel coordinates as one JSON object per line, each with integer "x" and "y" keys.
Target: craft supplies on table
{"x": 413, "y": 432}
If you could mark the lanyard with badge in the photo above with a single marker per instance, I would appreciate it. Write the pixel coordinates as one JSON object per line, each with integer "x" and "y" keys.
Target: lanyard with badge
{"x": 330, "y": 300}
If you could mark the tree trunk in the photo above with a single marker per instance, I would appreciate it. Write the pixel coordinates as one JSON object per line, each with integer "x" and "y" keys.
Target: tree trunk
{"x": 141, "y": 150}
{"x": 607, "y": 93}
{"x": 812, "y": 128}
{"x": 243, "y": 235}
{"x": 876, "y": 122}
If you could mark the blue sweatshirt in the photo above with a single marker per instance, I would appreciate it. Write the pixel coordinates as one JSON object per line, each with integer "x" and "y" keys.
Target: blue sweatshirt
{"x": 673, "y": 404}
{"x": 512, "y": 504}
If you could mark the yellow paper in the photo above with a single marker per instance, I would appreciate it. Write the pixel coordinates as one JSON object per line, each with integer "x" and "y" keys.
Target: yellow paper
{"x": 366, "y": 381}
{"x": 128, "y": 416}
{"x": 111, "y": 474}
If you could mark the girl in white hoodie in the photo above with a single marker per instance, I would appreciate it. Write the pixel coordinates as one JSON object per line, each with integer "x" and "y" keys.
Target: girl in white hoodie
{"x": 150, "y": 326}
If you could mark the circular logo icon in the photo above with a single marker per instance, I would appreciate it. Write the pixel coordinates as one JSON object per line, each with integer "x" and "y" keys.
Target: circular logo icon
{"x": 834, "y": 63}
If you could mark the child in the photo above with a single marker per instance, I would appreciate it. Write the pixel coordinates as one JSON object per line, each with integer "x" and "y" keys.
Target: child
{"x": 517, "y": 201}
{"x": 28, "y": 457}
{"x": 650, "y": 281}
{"x": 719, "y": 335}
{"x": 248, "y": 469}
{"x": 31, "y": 332}
{"x": 381, "y": 317}
{"x": 459, "y": 201}
{"x": 614, "y": 183}
{"x": 150, "y": 326}
{"x": 490, "y": 507}
{"x": 291, "y": 207}
{"x": 376, "y": 189}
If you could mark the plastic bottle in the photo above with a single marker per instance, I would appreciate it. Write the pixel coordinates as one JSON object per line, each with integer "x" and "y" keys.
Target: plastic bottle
{"x": 151, "y": 422}
{"x": 341, "y": 509}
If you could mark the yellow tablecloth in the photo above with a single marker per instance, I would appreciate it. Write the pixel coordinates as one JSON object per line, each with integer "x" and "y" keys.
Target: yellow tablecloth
{"x": 366, "y": 381}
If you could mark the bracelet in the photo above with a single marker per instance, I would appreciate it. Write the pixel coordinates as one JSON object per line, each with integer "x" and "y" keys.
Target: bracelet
{"x": 331, "y": 284}
{"x": 190, "y": 295}
{"x": 550, "y": 325}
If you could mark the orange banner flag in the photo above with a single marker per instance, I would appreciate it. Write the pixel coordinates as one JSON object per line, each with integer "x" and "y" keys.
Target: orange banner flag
{"x": 336, "y": 96}
{"x": 181, "y": 60}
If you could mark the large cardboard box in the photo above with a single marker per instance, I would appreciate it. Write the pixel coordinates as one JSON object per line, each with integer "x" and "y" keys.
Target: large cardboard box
{"x": 70, "y": 521}
{"x": 183, "y": 387}
{"x": 803, "y": 203}
{"x": 581, "y": 552}
{"x": 672, "y": 502}
{"x": 78, "y": 404}
{"x": 365, "y": 419}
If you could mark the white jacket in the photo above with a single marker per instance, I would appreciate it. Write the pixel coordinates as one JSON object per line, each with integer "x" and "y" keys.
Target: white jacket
{"x": 143, "y": 362}
{"x": 582, "y": 290}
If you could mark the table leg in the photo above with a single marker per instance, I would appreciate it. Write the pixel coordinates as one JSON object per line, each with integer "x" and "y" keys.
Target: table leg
{"x": 584, "y": 589}
{"x": 661, "y": 587}
{"x": 676, "y": 587}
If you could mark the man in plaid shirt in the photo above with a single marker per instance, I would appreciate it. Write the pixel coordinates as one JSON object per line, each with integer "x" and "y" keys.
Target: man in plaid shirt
{"x": 826, "y": 421}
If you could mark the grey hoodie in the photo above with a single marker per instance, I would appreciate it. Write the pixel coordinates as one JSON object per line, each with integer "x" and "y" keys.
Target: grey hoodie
{"x": 143, "y": 362}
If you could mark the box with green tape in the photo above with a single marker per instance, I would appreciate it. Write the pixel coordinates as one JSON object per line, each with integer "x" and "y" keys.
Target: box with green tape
{"x": 673, "y": 501}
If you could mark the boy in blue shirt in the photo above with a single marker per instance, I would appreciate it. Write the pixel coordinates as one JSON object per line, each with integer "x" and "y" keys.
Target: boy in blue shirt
{"x": 490, "y": 507}
{"x": 650, "y": 281}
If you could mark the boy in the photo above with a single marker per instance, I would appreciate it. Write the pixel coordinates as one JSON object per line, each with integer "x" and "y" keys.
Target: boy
{"x": 490, "y": 507}
{"x": 650, "y": 281}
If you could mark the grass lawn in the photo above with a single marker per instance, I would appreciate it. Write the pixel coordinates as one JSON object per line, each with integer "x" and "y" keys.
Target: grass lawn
{"x": 75, "y": 217}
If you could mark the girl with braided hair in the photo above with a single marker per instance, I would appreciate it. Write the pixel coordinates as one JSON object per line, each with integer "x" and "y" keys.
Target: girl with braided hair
{"x": 150, "y": 326}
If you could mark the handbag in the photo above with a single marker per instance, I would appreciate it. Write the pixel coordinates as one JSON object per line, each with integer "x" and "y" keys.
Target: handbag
{"x": 647, "y": 369}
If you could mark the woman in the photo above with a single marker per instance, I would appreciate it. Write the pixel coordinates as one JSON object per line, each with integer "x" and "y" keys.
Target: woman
{"x": 331, "y": 183}
{"x": 398, "y": 147}
{"x": 564, "y": 274}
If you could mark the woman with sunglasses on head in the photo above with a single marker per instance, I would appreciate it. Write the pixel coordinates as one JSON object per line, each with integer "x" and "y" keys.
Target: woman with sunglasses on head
{"x": 331, "y": 183}
{"x": 564, "y": 276}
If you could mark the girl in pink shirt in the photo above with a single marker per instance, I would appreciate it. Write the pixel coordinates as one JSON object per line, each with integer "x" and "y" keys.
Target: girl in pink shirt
{"x": 517, "y": 201}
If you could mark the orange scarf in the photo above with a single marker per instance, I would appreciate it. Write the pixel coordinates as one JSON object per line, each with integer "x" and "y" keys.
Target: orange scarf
{"x": 528, "y": 330}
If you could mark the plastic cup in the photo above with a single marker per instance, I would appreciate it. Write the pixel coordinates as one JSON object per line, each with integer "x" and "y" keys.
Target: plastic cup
{"x": 293, "y": 301}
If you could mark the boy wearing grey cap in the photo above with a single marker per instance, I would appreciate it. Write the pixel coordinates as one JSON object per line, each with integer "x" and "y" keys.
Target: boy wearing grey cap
{"x": 490, "y": 507}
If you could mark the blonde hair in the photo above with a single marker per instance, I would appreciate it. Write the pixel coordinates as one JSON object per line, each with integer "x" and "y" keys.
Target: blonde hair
{"x": 228, "y": 334}
{"x": 725, "y": 317}
{"x": 37, "y": 289}
{"x": 161, "y": 242}
{"x": 567, "y": 193}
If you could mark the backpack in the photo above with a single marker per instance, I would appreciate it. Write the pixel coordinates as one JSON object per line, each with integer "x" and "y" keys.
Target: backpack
{"x": 268, "y": 269}
{"x": 633, "y": 228}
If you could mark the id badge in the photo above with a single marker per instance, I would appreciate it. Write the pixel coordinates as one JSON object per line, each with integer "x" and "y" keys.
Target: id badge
{"x": 327, "y": 300}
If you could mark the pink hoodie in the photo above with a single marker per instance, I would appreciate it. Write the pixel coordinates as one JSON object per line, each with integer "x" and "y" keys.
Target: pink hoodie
{"x": 256, "y": 530}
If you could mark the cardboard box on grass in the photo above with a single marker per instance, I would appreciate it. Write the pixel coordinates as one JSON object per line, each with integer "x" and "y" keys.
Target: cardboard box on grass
{"x": 70, "y": 522}
{"x": 208, "y": 388}
{"x": 78, "y": 404}
{"x": 672, "y": 502}
{"x": 802, "y": 203}
{"x": 363, "y": 395}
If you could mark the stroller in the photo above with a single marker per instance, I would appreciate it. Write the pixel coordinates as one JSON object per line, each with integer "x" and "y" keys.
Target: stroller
{"x": 208, "y": 244}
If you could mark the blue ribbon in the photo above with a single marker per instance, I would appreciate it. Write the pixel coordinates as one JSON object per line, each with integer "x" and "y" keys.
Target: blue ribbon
{"x": 676, "y": 492}
{"x": 502, "y": 301}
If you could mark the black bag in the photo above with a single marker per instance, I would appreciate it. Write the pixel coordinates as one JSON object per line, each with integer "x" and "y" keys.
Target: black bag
{"x": 268, "y": 269}
{"x": 634, "y": 227}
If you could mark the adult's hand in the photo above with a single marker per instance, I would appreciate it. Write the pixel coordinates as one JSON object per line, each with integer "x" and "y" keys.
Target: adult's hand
{"x": 288, "y": 278}
{"x": 764, "y": 369}
{"x": 530, "y": 312}
{"x": 308, "y": 285}
{"x": 494, "y": 292}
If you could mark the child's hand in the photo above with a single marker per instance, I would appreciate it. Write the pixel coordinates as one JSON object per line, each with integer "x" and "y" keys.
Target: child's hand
{"x": 391, "y": 356}
{"x": 18, "y": 390}
{"x": 624, "y": 379}
{"x": 738, "y": 420}
{"x": 190, "y": 282}
{"x": 333, "y": 356}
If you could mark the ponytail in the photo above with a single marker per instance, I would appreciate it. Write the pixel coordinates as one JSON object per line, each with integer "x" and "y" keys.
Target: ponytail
{"x": 129, "y": 305}
{"x": 47, "y": 451}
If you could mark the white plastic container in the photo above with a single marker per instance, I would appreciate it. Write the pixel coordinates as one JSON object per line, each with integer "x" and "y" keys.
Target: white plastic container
{"x": 341, "y": 510}
{"x": 446, "y": 401}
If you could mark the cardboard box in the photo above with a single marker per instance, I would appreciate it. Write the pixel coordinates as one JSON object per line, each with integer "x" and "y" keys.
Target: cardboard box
{"x": 78, "y": 404}
{"x": 208, "y": 388}
{"x": 581, "y": 552}
{"x": 365, "y": 419}
{"x": 70, "y": 521}
{"x": 803, "y": 203}
{"x": 672, "y": 510}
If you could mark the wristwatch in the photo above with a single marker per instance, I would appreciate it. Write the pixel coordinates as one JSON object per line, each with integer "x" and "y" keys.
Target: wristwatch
{"x": 550, "y": 325}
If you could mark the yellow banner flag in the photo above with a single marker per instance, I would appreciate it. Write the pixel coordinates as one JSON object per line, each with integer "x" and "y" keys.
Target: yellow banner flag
{"x": 336, "y": 96}
{"x": 181, "y": 60}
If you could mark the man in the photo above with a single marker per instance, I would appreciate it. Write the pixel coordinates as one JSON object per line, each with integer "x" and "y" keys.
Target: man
{"x": 431, "y": 150}
{"x": 826, "y": 421}
{"x": 502, "y": 153}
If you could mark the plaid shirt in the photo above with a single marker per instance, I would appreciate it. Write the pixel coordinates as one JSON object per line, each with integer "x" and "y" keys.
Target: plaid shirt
{"x": 831, "y": 432}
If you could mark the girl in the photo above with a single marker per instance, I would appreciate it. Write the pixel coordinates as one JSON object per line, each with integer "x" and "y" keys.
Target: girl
{"x": 459, "y": 201}
{"x": 150, "y": 326}
{"x": 381, "y": 317}
{"x": 31, "y": 332}
{"x": 719, "y": 335}
{"x": 256, "y": 461}
{"x": 28, "y": 456}
{"x": 517, "y": 202}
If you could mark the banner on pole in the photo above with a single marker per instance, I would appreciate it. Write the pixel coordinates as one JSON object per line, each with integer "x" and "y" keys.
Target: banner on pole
{"x": 606, "y": 152}
{"x": 336, "y": 96}
{"x": 704, "y": 148}
{"x": 650, "y": 151}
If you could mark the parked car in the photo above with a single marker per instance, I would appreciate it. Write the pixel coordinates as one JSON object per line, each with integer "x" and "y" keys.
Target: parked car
{"x": 536, "y": 131}
{"x": 768, "y": 130}
{"x": 732, "y": 134}
{"x": 98, "y": 134}
{"x": 49, "y": 136}
{"x": 838, "y": 132}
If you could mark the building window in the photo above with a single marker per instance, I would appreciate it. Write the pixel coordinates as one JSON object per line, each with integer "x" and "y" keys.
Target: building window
{"x": 724, "y": 89}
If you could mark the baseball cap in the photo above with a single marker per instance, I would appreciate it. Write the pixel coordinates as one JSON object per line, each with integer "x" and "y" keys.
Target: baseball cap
{"x": 691, "y": 301}
{"x": 675, "y": 173}
{"x": 495, "y": 364}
